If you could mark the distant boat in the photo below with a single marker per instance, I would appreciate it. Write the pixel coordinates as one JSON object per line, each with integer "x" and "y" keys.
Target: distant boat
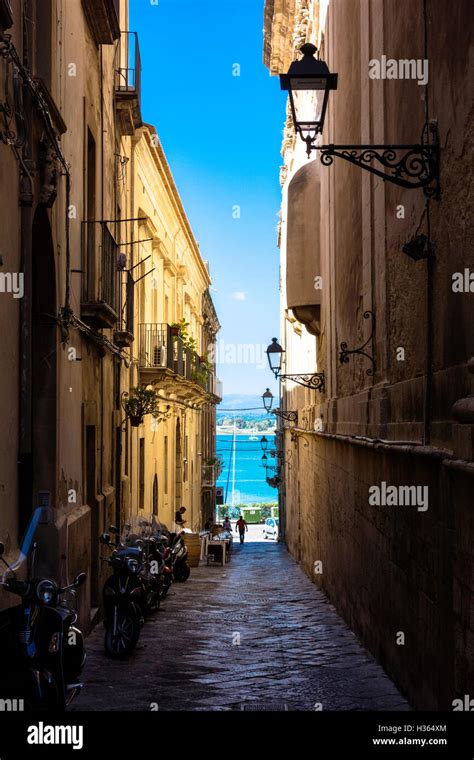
{"x": 253, "y": 437}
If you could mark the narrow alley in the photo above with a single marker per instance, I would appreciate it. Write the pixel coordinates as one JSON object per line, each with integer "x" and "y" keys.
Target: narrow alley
{"x": 295, "y": 652}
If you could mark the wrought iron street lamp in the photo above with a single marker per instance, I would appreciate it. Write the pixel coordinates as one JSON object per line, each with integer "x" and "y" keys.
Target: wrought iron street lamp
{"x": 275, "y": 356}
{"x": 308, "y": 380}
{"x": 308, "y": 83}
{"x": 264, "y": 443}
{"x": 289, "y": 416}
{"x": 267, "y": 399}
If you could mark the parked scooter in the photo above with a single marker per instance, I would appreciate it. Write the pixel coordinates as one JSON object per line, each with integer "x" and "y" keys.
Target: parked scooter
{"x": 125, "y": 598}
{"x": 179, "y": 558}
{"x": 42, "y": 650}
{"x": 159, "y": 570}
{"x": 161, "y": 543}
{"x": 154, "y": 572}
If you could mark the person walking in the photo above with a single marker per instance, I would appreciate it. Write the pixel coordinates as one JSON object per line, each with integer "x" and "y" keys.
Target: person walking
{"x": 178, "y": 519}
{"x": 241, "y": 526}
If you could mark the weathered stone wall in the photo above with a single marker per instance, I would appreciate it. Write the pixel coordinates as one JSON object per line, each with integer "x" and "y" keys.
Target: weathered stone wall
{"x": 390, "y": 569}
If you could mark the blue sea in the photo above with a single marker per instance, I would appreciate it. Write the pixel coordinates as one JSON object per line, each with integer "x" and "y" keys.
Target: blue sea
{"x": 250, "y": 483}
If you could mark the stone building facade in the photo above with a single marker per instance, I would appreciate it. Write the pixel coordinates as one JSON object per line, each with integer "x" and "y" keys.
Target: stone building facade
{"x": 73, "y": 164}
{"x": 169, "y": 458}
{"x": 402, "y": 414}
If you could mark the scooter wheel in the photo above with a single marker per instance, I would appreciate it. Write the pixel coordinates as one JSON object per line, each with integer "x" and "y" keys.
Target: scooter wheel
{"x": 121, "y": 642}
{"x": 183, "y": 573}
{"x": 152, "y": 603}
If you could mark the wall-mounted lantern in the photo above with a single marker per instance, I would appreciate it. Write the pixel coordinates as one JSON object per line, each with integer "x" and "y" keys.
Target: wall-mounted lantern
{"x": 309, "y": 83}
{"x": 308, "y": 380}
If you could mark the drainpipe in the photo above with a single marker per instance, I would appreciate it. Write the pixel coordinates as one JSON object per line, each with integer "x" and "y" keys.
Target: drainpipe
{"x": 102, "y": 216}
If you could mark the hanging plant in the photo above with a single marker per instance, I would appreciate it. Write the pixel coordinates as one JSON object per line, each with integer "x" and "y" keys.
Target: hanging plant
{"x": 274, "y": 482}
{"x": 140, "y": 401}
{"x": 219, "y": 460}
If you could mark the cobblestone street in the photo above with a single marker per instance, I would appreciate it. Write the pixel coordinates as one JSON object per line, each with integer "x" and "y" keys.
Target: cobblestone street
{"x": 294, "y": 650}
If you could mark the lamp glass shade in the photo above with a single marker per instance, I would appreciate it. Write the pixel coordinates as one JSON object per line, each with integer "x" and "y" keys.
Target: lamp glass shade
{"x": 308, "y": 101}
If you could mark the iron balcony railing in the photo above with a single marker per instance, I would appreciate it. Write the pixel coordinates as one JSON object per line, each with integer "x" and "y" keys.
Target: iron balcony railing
{"x": 127, "y": 84}
{"x": 108, "y": 268}
{"x": 161, "y": 347}
{"x": 100, "y": 266}
{"x": 128, "y": 67}
{"x": 214, "y": 386}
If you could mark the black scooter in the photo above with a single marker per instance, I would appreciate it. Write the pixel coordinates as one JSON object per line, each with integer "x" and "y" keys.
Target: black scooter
{"x": 125, "y": 598}
{"x": 179, "y": 558}
{"x": 41, "y": 649}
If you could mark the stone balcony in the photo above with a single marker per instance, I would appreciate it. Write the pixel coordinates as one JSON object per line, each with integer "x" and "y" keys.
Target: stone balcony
{"x": 164, "y": 360}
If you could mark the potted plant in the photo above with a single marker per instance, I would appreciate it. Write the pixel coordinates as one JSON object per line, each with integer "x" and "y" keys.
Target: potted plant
{"x": 174, "y": 328}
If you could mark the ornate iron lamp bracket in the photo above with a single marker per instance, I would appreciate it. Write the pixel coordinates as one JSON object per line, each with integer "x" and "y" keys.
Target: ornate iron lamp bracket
{"x": 288, "y": 416}
{"x": 295, "y": 436}
{"x": 409, "y": 166}
{"x": 314, "y": 381}
{"x": 344, "y": 352}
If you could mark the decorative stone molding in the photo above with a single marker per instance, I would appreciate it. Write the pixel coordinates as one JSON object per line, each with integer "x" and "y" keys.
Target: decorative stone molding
{"x": 277, "y": 34}
{"x": 301, "y": 28}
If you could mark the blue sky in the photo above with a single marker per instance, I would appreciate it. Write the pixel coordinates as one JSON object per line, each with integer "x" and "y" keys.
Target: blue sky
{"x": 222, "y": 137}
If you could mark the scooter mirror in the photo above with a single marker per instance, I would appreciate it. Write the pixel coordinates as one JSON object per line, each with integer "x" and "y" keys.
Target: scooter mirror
{"x": 113, "y": 529}
{"x": 2, "y": 548}
{"x": 79, "y": 580}
{"x": 105, "y": 538}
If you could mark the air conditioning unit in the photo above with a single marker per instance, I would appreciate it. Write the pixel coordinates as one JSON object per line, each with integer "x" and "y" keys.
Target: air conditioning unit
{"x": 159, "y": 356}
